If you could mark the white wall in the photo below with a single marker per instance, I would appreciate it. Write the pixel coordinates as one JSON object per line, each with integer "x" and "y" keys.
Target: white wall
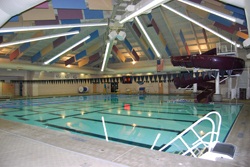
{"x": 60, "y": 89}
{"x": 72, "y": 88}
{"x": 41, "y": 89}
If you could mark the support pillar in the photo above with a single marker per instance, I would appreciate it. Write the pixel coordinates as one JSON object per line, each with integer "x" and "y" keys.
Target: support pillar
{"x": 217, "y": 97}
{"x": 195, "y": 92}
{"x": 231, "y": 92}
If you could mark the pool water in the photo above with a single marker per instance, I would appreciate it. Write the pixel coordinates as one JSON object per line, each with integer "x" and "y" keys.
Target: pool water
{"x": 129, "y": 119}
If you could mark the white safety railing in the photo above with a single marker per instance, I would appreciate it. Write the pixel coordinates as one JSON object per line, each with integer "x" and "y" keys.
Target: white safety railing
{"x": 104, "y": 129}
{"x": 213, "y": 133}
{"x": 225, "y": 48}
{"x": 156, "y": 139}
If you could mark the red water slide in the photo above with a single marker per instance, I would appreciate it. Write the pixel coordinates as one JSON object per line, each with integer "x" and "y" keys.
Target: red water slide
{"x": 207, "y": 60}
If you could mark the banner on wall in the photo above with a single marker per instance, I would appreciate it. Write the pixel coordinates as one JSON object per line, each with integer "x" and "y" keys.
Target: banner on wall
{"x": 65, "y": 76}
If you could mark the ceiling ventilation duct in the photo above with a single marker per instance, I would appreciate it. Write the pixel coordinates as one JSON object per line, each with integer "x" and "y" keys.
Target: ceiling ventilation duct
{"x": 10, "y": 8}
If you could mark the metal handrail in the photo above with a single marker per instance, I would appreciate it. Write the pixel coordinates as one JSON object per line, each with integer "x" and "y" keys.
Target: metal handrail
{"x": 214, "y": 135}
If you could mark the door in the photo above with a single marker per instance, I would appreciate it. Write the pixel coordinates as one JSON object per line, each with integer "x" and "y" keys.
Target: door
{"x": 114, "y": 87}
{"x": 8, "y": 89}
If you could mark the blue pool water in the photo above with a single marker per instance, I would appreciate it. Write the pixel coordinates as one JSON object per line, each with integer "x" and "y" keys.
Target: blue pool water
{"x": 130, "y": 119}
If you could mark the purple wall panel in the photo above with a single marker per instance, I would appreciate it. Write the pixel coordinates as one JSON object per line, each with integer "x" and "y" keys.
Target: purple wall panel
{"x": 196, "y": 1}
{"x": 155, "y": 26}
{"x": 94, "y": 58}
{"x": 137, "y": 31}
{"x": 230, "y": 29}
{"x": 205, "y": 35}
{"x": 47, "y": 22}
{"x": 70, "y": 61}
{"x": 77, "y": 47}
{"x": 115, "y": 49}
{"x": 137, "y": 58}
{"x": 58, "y": 41}
{"x": 70, "y": 14}
{"x": 44, "y": 5}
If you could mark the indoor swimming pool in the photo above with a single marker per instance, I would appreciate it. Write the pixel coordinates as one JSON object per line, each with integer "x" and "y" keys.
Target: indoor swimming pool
{"x": 129, "y": 119}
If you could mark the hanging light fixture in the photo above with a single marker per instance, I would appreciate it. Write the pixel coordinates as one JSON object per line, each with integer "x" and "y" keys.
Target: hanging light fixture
{"x": 38, "y": 38}
{"x": 66, "y": 50}
{"x": 49, "y": 27}
{"x": 105, "y": 56}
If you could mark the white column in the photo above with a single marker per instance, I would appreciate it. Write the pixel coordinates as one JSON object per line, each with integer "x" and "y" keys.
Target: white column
{"x": 247, "y": 13}
{"x": 217, "y": 97}
{"x": 217, "y": 84}
{"x": 195, "y": 84}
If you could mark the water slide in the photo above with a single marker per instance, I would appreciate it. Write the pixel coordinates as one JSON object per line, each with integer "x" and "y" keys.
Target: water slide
{"x": 207, "y": 60}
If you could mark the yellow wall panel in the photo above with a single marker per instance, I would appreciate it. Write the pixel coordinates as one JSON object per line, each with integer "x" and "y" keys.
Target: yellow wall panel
{"x": 198, "y": 12}
{"x": 8, "y": 89}
{"x": 194, "y": 48}
{"x": 6, "y": 50}
{"x": 217, "y": 3}
{"x": 46, "y": 49}
{"x": 143, "y": 42}
{"x": 38, "y": 34}
{"x": 83, "y": 62}
{"x": 218, "y": 8}
{"x": 162, "y": 39}
{"x": 122, "y": 58}
{"x": 242, "y": 35}
{"x": 93, "y": 48}
{"x": 20, "y": 23}
{"x": 100, "y": 4}
{"x": 39, "y": 14}
{"x": 20, "y": 55}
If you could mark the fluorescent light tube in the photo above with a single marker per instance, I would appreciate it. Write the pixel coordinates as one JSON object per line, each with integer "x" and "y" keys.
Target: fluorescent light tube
{"x": 142, "y": 7}
{"x": 147, "y": 37}
{"x": 48, "y": 27}
{"x": 201, "y": 25}
{"x": 38, "y": 38}
{"x": 209, "y": 10}
{"x": 66, "y": 50}
{"x": 105, "y": 56}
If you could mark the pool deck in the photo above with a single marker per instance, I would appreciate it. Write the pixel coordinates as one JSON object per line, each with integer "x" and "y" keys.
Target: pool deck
{"x": 25, "y": 145}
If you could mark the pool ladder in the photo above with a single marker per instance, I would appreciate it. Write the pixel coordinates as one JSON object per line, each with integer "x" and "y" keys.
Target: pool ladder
{"x": 201, "y": 145}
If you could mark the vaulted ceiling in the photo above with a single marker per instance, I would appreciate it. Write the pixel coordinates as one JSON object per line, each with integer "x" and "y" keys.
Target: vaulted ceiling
{"x": 171, "y": 34}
